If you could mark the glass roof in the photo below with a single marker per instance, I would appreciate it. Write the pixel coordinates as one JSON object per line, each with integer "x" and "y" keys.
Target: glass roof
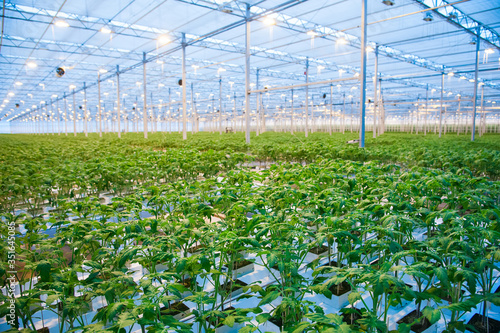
{"x": 88, "y": 39}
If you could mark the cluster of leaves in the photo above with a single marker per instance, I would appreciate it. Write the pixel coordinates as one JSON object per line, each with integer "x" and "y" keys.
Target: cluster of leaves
{"x": 360, "y": 211}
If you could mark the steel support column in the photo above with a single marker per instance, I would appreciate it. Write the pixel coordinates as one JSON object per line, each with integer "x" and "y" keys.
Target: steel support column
{"x": 247, "y": 74}
{"x": 476, "y": 74}
{"x": 118, "y": 115}
{"x": 362, "y": 97}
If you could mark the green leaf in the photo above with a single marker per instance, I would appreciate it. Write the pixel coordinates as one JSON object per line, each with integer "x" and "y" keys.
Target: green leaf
{"x": 229, "y": 321}
{"x": 272, "y": 259}
{"x": 263, "y": 317}
{"x": 404, "y": 328}
{"x": 269, "y": 297}
{"x": 353, "y": 297}
{"x": 299, "y": 328}
{"x": 247, "y": 329}
{"x": 431, "y": 314}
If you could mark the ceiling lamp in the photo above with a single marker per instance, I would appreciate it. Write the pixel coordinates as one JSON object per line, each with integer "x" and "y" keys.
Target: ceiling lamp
{"x": 388, "y": 2}
{"x": 163, "y": 39}
{"x": 61, "y": 24}
{"x": 18, "y": 83}
{"x": 451, "y": 74}
{"x": 72, "y": 86}
{"x": 269, "y": 21}
{"x": 489, "y": 51}
{"x": 32, "y": 64}
{"x": 342, "y": 41}
{"x": 428, "y": 17}
{"x": 105, "y": 30}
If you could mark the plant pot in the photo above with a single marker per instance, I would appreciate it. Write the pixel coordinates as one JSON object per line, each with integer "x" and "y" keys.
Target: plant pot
{"x": 339, "y": 295}
{"x": 178, "y": 310}
{"x": 403, "y": 303}
{"x": 242, "y": 267}
{"x": 477, "y": 322}
{"x": 187, "y": 283}
{"x": 445, "y": 300}
{"x": 351, "y": 318}
{"x": 195, "y": 249}
{"x": 424, "y": 327}
{"x": 233, "y": 288}
{"x": 84, "y": 306}
{"x": 318, "y": 251}
{"x": 221, "y": 328}
{"x": 43, "y": 330}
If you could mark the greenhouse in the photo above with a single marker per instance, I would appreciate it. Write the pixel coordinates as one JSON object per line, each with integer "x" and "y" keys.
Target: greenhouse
{"x": 250, "y": 166}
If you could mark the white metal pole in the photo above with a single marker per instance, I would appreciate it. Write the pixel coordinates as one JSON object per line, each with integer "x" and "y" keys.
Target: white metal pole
{"x": 476, "y": 74}
{"x": 145, "y": 104}
{"x": 331, "y": 109}
{"x": 220, "y": 105}
{"x": 483, "y": 115}
{"x": 307, "y": 98}
{"x": 52, "y": 115}
{"x": 441, "y": 105}
{"x": 58, "y": 118}
{"x": 74, "y": 113}
{"x": 247, "y": 74}
{"x": 184, "y": 104}
{"x": 292, "y": 112}
{"x": 65, "y": 114}
{"x": 375, "y": 92}
{"x": 193, "y": 112}
{"x": 343, "y": 115}
{"x": 99, "y": 112}
{"x": 118, "y": 100}
{"x": 362, "y": 97}
{"x": 85, "y": 109}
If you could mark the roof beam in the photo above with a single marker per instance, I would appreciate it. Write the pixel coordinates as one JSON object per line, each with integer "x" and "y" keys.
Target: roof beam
{"x": 458, "y": 18}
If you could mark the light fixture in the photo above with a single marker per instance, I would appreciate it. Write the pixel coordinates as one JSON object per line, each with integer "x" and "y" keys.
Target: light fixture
{"x": 11, "y": 94}
{"x": 341, "y": 41}
{"x": 61, "y": 24}
{"x": 339, "y": 86}
{"x": 54, "y": 96}
{"x": 6, "y": 101}
{"x": 32, "y": 64}
{"x": 489, "y": 51}
{"x": 72, "y": 86}
{"x": 428, "y": 17}
{"x": 102, "y": 71}
{"x": 451, "y": 74}
{"x": 18, "y": 83}
{"x": 471, "y": 80}
{"x": 160, "y": 62}
{"x": 163, "y": 39}
{"x": 269, "y": 21}
{"x": 463, "y": 78}
{"x": 312, "y": 33}
{"x": 105, "y": 30}
{"x": 388, "y": 2}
